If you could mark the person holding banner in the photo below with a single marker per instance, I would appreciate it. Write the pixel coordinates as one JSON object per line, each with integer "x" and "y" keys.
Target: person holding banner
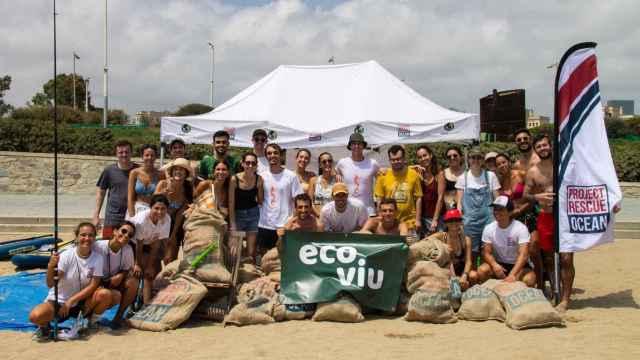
{"x": 505, "y": 251}
{"x": 386, "y": 223}
{"x": 344, "y": 214}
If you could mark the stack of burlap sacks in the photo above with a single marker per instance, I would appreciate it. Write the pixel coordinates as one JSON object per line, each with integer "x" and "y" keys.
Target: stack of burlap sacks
{"x": 179, "y": 288}
{"x": 430, "y": 284}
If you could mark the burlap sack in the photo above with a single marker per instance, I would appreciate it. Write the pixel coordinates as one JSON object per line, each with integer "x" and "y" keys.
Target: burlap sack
{"x": 491, "y": 284}
{"x": 480, "y": 304}
{"x": 526, "y": 307}
{"x": 211, "y": 310}
{"x": 345, "y": 309}
{"x": 270, "y": 262}
{"x": 422, "y": 269}
{"x": 248, "y": 272}
{"x": 210, "y": 269}
{"x": 169, "y": 272}
{"x": 170, "y": 306}
{"x": 284, "y": 312}
{"x": 275, "y": 276}
{"x": 431, "y": 302}
{"x": 255, "y": 312}
{"x": 202, "y": 227}
{"x": 430, "y": 249}
{"x": 259, "y": 288}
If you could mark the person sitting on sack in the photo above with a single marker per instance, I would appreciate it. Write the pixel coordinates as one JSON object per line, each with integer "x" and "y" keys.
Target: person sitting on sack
{"x": 79, "y": 273}
{"x": 344, "y": 214}
{"x": 118, "y": 262}
{"x": 303, "y": 219}
{"x": 386, "y": 223}
{"x": 505, "y": 249}
{"x": 459, "y": 246}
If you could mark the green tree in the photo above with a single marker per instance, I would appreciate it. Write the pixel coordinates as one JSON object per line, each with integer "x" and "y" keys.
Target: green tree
{"x": 64, "y": 93}
{"x": 193, "y": 109}
{"x": 5, "y": 85}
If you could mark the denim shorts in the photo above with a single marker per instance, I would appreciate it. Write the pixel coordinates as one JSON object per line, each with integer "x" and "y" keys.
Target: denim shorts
{"x": 247, "y": 219}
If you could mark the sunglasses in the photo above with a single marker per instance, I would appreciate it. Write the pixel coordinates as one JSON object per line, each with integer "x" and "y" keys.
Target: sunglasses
{"x": 453, "y": 156}
{"x": 126, "y": 232}
{"x": 326, "y": 161}
{"x": 260, "y": 139}
{"x": 522, "y": 140}
{"x": 251, "y": 163}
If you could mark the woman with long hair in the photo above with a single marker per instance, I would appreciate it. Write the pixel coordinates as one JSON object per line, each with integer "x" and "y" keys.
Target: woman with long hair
{"x": 320, "y": 186}
{"x": 459, "y": 246}
{"x": 220, "y": 187}
{"x": 143, "y": 182}
{"x": 303, "y": 157}
{"x": 429, "y": 207}
{"x": 246, "y": 194}
{"x": 455, "y": 168}
{"x": 178, "y": 187}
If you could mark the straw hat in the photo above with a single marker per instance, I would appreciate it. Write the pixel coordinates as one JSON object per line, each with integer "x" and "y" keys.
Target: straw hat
{"x": 179, "y": 162}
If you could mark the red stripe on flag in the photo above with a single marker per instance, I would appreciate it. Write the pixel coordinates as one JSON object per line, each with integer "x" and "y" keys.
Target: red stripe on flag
{"x": 582, "y": 76}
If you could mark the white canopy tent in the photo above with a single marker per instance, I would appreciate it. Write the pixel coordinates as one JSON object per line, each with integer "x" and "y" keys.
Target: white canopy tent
{"x": 320, "y": 106}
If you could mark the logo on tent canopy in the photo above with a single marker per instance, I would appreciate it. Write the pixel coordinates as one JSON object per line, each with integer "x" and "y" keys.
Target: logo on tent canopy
{"x": 272, "y": 134}
{"x": 315, "y": 137}
{"x": 186, "y": 128}
{"x": 404, "y": 131}
{"x": 232, "y": 132}
{"x": 359, "y": 129}
{"x": 449, "y": 126}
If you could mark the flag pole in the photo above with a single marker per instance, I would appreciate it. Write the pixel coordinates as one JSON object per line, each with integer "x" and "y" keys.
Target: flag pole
{"x": 55, "y": 173}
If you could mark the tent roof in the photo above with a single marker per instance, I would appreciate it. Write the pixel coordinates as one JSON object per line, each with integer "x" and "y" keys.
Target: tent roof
{"x": 321, "y": 105}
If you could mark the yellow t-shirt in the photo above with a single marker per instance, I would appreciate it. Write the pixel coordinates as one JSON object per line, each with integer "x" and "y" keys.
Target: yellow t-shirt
{"x": 405, "y": 189}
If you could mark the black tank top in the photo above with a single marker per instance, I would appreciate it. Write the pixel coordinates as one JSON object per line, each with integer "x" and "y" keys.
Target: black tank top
{"x": 246, "y": 199}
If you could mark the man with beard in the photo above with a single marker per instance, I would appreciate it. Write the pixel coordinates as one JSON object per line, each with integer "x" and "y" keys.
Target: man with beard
{"x": 528, "y": 157}
{"x": 344, "y": 214}
{"x": 304, "y": 218}
{"x": 539, "y": 188}
{"x": 220, "y": 154}
{"x": 259, "y": 139}
{"x": 386, "y": 222}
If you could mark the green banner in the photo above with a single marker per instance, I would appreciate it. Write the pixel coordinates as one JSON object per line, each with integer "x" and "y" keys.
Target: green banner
{"x": 316, "y": 267}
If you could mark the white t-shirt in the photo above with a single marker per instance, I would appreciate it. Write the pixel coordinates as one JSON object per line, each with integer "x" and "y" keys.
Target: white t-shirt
{"x": 359, "y": 177}
{"x": 263, "y": 165}
{"x": 505, "y": 242}
{"x": 114, "y": 262}
{"x": 76, "y": 273}
{"x": 147, "y": 230}
{"x": 279, "y": 191}
{"x": 478, "y": 182}
{"x": 352, "y": 219}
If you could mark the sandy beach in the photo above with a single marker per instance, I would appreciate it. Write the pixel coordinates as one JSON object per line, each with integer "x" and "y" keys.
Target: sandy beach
{"x": 603, "y": 323}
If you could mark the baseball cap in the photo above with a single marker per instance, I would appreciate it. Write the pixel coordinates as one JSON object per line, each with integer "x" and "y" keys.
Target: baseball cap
{"x": 503, "y": 201}
{"x": 356, "y": 137}
{"x": 452, "y": 215}
{"x": 339, "y": 188}
{"x": 475, "y": 151}
{"x": 490, "y": 155}
{"x": 259, "y": 132}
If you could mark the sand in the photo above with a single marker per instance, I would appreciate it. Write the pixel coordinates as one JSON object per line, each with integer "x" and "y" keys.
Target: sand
{"x": 602, "y": 323}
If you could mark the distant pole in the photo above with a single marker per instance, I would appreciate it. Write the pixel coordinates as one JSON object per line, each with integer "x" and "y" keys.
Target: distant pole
{"x": 56, "y": 305}
{"x": 86, "y": 95}
{"x": 75, "y": 57}
{"x": 105, "y": 89}
{"x": 212, "y": 68}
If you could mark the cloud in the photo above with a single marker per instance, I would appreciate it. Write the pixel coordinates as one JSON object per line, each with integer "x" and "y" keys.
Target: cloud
{"x": 451, "y": 52}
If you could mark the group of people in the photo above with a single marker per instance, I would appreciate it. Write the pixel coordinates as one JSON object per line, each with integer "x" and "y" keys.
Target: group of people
{"x": 495, "y": 215}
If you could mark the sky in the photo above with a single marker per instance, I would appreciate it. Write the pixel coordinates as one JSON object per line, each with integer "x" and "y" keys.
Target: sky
{"x": 451, "y": 52}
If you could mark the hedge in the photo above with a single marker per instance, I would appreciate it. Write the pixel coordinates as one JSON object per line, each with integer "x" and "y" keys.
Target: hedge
{"x": 27, "y": 135}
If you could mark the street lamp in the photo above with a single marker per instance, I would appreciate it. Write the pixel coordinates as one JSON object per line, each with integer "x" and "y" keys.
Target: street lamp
{"x": 86, "y": 94}
{"x": 105, "y": 89}
{"x": 211, "y": 77}
{"x": 75, "y": 57}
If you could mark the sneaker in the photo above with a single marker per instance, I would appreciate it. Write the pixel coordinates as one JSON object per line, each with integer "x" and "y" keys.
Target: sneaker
{"x": 73, "y": 333}
{"x": 41, "y": 334}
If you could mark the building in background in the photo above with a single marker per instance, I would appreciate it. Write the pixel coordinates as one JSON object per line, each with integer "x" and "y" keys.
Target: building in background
{"x": 534, "y": 120}
{"x": 621, "y": 107}
{"x": 151, "y": 118}
{"x": 501, "y": 113}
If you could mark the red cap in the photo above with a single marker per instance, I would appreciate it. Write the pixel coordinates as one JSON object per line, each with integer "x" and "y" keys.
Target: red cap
{"x": 452, "y": 215}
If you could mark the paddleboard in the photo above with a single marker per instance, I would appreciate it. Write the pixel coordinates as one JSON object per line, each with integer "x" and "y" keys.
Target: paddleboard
{"x": 39, "y": 258}
{"x": 10, "y": 248}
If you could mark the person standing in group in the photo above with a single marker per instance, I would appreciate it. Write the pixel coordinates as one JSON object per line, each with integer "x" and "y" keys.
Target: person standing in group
{"x": 118, "y": 261}
{"x": 79, "y": 272}
{"x": 280, "y": 186}
{"x": 246, "y": 194}
{"x": 177, "y": 149}
{"x": 344, "y": 214}
{"x": 220, "y": 154}
{"x": 178, "y": 188}
{"x": 115, "y": 179}
{"x": 403, "y": 185}
{"x": 359, "y": 173}
{"x": 386, "y": 223}
{"x": 490, "y": 161}
{"x": 219, "y": 187}
{"x": 143, "y": 182}
{"x": 527, "y": 157}
{"x": 433, "y": 184}
{"x": 477, "y": 188}
{"x": 259, "y": 139}
{"x": 303, "y": 157}
{"x": 506, "y": 252}
{"x": 451, "y": 174}
{"x": 153, "y": 227}
{"x": 320, "y": 186}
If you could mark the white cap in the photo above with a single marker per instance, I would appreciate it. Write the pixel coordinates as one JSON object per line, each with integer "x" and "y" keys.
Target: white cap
{"x": 503, "y": 201}
{"x": 490, "y": 155}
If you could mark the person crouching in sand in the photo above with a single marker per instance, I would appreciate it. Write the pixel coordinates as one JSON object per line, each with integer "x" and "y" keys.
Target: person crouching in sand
{"x": 386, "y": 223}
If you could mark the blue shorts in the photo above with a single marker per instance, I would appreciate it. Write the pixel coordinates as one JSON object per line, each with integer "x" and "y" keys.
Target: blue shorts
{"x": 247, "y": 219}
